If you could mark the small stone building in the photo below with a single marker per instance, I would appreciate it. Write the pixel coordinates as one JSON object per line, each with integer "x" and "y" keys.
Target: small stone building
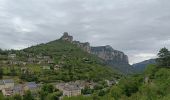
{"x": 9, "y": 83}
{"x": 69, "y": 89}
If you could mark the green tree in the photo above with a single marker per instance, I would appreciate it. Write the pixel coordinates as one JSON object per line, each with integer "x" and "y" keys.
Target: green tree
{"x": 48, "y": 88}
{"x": 52, "y": 96}
{"x": 1, "y": 73}
{"x": 13, "y": 71}
{"x": 164, "y": 57}
{"x": 42, "y": 95}
{"x": 116, "y": 92}
{"x": 87, "y": 90}
{"x": 96, "y": 97}
{"x": 17, "y": 97}
{"x": 101, "y": 93}
{"x": 28, "y": 96}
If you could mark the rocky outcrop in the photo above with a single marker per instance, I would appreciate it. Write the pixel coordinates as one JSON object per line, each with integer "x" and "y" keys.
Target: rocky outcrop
{"x": 107, "y": 53}
{"x": 114, "y": 58}
{"x": 67, "y": 37}
{"x": 117, "y": 59}
{"x": 85, "y": 46}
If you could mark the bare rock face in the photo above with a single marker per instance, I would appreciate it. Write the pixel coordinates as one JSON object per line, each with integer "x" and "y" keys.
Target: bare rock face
{"x": 67, "y": 37}
{"x": 107, "y": 53}
{"x": 85, "y": 46}
{"x": 114, "y": 58}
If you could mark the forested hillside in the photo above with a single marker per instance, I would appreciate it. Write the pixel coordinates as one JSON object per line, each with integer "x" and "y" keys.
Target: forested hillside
{"x": 76, "y": 63}
{"x": 152, "y": 84}
{"x": 71, "y": 61}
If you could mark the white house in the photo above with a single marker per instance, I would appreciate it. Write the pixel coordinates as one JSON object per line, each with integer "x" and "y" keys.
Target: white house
{"x": 9, "y": 83}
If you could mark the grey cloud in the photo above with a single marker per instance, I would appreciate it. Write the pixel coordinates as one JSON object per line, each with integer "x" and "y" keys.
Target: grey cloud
{"x": 137, "y": 27}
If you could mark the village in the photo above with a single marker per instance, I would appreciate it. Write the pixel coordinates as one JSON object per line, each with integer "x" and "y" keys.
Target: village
{"x": 10, "y": 87}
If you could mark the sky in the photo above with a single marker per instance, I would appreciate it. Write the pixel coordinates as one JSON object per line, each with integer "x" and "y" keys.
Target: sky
{"x": 139, "y": 28}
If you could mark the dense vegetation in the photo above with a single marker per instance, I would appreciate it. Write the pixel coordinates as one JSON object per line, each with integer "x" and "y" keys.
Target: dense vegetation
{"x": 76, "y": 64}
{"x": 152, "y": 84}
{"x": 164, "y": 57}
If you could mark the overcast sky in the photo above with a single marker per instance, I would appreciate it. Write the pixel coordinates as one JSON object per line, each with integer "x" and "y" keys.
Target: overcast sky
{"x": 139, "y": 28}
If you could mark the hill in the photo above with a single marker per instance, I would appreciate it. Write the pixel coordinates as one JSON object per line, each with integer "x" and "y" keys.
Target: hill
{"x": 140, "y": 67}
{"x": 152, "y": 84}
{"x": 111, "y": 57}
{"x": 71, "y": 61}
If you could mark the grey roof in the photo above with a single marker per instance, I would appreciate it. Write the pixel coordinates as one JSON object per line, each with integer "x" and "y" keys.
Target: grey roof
{"x": 9, "y": 81}
{"x": 31, "y": 85}
{"x": 71, "y": 87}
{"x": 17, "y": 88}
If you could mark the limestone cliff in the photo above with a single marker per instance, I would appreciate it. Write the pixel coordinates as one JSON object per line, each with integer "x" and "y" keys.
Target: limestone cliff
{"x": 67, "y": 37}
{"x": 107, "y": 53}
{"x": 114, "y": 58}
{"x": 85, "y": 46}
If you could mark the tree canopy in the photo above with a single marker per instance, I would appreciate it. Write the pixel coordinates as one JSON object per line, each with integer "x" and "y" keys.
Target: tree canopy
{"x": 164, "y": 57}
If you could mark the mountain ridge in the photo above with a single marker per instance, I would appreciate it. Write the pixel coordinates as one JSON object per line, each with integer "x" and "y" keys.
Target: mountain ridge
{"x": 140, "y": 67}
{"x": 115, "y": 58}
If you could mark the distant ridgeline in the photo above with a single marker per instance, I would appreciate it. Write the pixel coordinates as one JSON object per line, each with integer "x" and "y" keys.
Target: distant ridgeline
{"x": 111, "y": 57}
{"x": 141, "y": 66}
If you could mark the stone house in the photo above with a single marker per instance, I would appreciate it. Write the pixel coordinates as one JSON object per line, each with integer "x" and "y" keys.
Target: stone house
{"x": 18, "y": 89}
{"x": 81, "y": 84}
{"x": 6, "y": 84}
{"x": 12, "y": 62}
{"x": 7, "y": 91}
{"x": 91, "y": 85}
{"x": 31, "y": 60}
{"x": 69, "y": 89}
{"x": 60, "y": 86}
{"x": 31, "y": 86}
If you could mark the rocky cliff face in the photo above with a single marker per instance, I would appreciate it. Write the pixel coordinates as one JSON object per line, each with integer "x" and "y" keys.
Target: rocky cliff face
{"x": 107, "y": 53}
{"x": 85, "y": 46}
{"x": 114, "y": 58}
{"x": 67, "y": 37}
